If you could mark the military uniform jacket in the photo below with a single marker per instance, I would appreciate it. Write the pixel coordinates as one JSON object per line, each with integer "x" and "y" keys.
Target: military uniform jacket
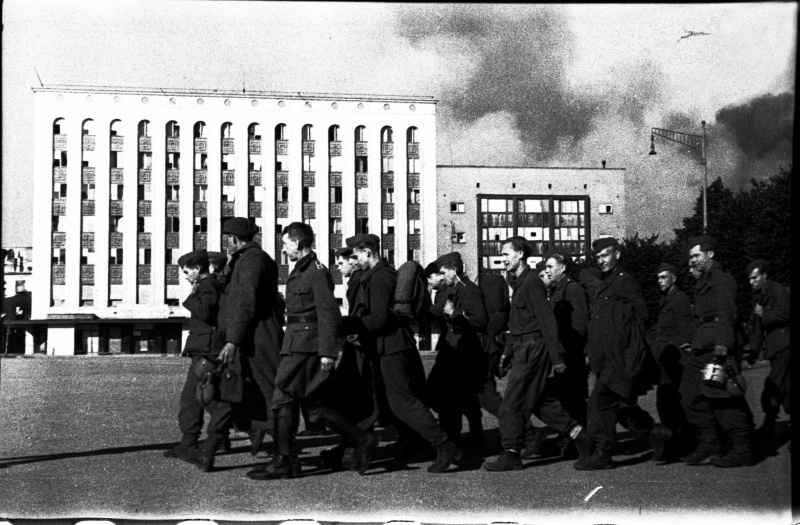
{"x": 203, "y": 305}
{"x": 572, "y": 314}
{"x": 531, "y": 313}
{"x": 352, "y": 290}
{"x": 377, "y": 326}
{"x": 621, "y": 285}
{"x": 313, "y": 319}
{"x": 469, "y": 315}
{"x": 675, "y": 326}
{"x": 249, "y": 305}
{"x": 714, "y": 309}
{"x": 771, "y": 330}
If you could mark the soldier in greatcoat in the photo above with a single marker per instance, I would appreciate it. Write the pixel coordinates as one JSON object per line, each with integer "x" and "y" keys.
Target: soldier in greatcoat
{"x": 770, "y": 332}
{"x": 251, "y": 320}
{"x": 401, "y": 372}
{"x": 310, "y": 350}
{"x": 670, "y": 337}
{"x": 708, "y": 407}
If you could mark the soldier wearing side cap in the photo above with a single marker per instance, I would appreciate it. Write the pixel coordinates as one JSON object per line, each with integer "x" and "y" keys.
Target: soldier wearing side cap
{"x": 618, "y": 357}
{"x": 251, "y": 320}
{"x": 401, "y": 374}
{"x": 708, "y": 407}
{"x": 202, "y": 346}
{"x": 535, "y": 353}
{"x": 310, "y": 350}
{"x": 457, "y": 375}
{"x": 769, "y": 323}
{"x": 669, "y": 338}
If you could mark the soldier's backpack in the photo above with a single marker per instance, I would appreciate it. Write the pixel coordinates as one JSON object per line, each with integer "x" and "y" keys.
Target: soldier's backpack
{"x": 411, "y": 297}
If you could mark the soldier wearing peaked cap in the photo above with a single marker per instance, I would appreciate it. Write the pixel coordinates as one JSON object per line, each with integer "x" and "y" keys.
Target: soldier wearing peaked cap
{"x": 769, "y": 323}
{"x": 669, "y": 338}
{"x": 251, "y": 319}
{"x": 460, "y": 367}
{"x": 618, "y": 356}
{"x": 310, "y": 350}
{"x": 202, "y": 346}
{"x": 708, "y": 407}
{"x": 401, "y": 374}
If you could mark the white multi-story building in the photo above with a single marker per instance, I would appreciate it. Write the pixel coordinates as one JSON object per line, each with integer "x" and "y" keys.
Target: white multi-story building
{"x": 126, "y": 180}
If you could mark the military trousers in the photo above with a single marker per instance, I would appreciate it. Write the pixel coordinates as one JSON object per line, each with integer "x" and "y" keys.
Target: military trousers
{"x": 528, "y": 392}
{"x": 605, "y": 409}
{"x": 403, "y": 381}
{"x": 259, "y": 368}
{"x": 776, "y": 385}
{"x": 191, "y": 412}
{"x": 706, "y": 407}
{"x": 668, "y": 396}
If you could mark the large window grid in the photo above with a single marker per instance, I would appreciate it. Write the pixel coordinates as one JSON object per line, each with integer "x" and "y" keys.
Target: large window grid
{"x": 87, "y": 221}
{"x": 116, "y": 219}
{"x": 172, "y": 224}
{"x": 255, "y": 191}
{"x": 362, "y": 180}
{"x": 414, "y": 202}
{"x": 547, "y": 222}
{"x": 309, "y": 211}
{"x": 58, "y": 289}
{"x": 387, "y": 195}
{"x": 227, "y": 180}
{"x": 144, "y": 216}
{"x": 281, "y": 198}
{"x": 335, "y": 166}
{"x": 200, "y": 188}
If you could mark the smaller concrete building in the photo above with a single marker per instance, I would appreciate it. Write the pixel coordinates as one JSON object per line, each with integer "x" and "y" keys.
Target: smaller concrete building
{"x": 554, "y": 208}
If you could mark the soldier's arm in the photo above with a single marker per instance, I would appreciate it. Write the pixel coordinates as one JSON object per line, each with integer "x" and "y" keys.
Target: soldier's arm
{"x": 777, "y": 310}
{"x": 329, "y": 317}
{"x": 683, "y": 312}
{"x": 437, "y": 310}
{"x": 725, "y": 297}
{"x": 203, "y": 302}
{"x": 579, "y": 318}
{"x": 473, "y": 310}
{"x": 537, "y": 299}
{"x": 630, "y": 290}
{"x": 381, "y": 290}
{"x": 241, "y": 300}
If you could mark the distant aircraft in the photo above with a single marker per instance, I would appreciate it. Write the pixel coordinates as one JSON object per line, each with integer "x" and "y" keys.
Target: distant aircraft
{"x": 692, "y": 33}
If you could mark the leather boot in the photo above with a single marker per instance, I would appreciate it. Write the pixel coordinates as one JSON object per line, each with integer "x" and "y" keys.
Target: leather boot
{"x": 599, "y": 460}
{"x": 708, "y": 446}
{"x": 362, "y": 455}
{"x": 332, "y": 457}
{"x": 187, "y": 447}
{"x": 205, "y": 454}
{"x": 279, "y": 468}
{"x": 256, "y": 440}
{"x": 508, "y": 460}
{"x": 583, "y": 444}
{"x": 740, "y": 453}
{"x": 446, "y": 453}
{"x": 659, "y": 437}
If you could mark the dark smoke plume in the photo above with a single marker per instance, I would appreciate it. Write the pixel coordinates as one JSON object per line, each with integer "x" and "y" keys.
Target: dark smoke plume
{"x": 521, "y": 60}
{"x": 762, "y": 125}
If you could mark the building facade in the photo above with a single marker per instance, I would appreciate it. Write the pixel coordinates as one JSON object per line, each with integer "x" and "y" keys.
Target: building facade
{"x": 127, "y": 180}
{"x": 554, "y": 208}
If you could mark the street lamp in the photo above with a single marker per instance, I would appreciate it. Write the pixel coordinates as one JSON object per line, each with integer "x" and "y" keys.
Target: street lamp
{"x": 695, "y": 142}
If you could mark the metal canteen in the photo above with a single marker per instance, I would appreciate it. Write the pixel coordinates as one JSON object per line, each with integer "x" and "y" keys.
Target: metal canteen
{"x": 714, "y": 375}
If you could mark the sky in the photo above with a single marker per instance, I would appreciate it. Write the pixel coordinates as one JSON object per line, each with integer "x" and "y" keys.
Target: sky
{"x": 536, "y": 85}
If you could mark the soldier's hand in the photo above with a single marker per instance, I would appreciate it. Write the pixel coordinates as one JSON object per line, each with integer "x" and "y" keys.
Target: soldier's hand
{"x": 326, "y": 364}
{"x": 560, "y": 368}
{"x": 720, "y": 350}
{"x": 448, "y": 307}
{"x": 758, "y": 310}
{"x": 228, "y": 352}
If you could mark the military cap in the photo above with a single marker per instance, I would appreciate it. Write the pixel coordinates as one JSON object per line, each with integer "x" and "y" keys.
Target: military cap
{"x": 217, "y": 259}
{"x": 452, "y": 258}
{"x": 431, "y": 269}
{"x": 367, "y": 239}
{"x": 541, "y": 265}
{"x": 702, "y": 239}
{"x": 344, "y": 251}
{"x": 602, "y": 243}
{"x": 186, "y": 257}
{"x": 761, "y": 264}
{"x": 240, "y": 227}
{"x": 667, "y": 267}
{"x": 590, "y": 274}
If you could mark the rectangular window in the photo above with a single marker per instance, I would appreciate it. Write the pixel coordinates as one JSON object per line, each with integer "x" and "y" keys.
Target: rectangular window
{"x": 459, "y": 237}
{"x": 455, "y": 207}
{"x": 547, "y": 222}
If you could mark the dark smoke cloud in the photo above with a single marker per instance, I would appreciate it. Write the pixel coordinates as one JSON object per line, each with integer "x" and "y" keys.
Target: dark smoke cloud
{"x": 761, "y": 126}
{"x": 520, "y": 69}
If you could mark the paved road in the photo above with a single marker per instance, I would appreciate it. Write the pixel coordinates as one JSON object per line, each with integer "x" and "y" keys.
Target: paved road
{"x": 83, "y": 437}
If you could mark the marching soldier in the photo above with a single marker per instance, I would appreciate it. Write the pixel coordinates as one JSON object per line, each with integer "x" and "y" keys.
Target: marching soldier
{"x": 251, "y": 319}
{"x": 708, "y": 406}
{"x": 770, "y": 333}
{"x": 457, "y": 375}
{"x": 617, "y": 355}
{"x": 534, "y": 352}
{"x": 398, "y": 360}
{"x": 669, "y": 338}
{"x": 310, "y": 350}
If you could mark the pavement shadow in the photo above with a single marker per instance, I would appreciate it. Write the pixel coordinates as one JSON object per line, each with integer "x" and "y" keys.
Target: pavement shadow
{"x": 22, "y": 460}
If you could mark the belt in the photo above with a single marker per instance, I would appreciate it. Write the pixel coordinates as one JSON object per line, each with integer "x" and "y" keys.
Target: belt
{"x": 297, "y": 319}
